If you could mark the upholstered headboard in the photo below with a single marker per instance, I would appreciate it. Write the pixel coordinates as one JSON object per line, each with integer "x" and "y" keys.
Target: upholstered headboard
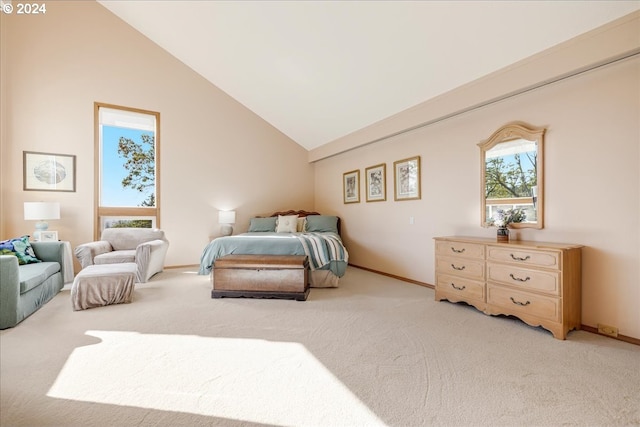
{"x": 301, "y": 214}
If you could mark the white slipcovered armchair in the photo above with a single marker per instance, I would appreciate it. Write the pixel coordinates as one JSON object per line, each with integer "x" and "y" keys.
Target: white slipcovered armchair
{"x": 145, "y": 246}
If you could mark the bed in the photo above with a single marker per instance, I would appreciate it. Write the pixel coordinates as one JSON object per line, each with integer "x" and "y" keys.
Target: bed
{"x": 288, "y": 233}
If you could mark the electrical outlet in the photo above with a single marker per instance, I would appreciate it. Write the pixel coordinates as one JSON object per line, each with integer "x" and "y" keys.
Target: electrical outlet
{"x": 611, "y": 331}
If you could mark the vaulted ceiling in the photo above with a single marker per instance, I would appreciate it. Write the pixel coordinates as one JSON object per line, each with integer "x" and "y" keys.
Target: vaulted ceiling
{"x": 319, "y": 70}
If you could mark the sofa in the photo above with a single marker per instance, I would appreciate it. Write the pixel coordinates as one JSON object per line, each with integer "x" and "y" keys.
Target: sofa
{"x": 146, "y": 247}
{"x": 24, "y": 288}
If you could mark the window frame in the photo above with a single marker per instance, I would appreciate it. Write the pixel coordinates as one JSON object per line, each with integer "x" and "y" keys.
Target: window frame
{"x": 132, "y": 212}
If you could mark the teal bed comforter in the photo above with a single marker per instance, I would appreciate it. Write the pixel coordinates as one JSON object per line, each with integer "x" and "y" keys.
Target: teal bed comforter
{"x": 325, "y": 250}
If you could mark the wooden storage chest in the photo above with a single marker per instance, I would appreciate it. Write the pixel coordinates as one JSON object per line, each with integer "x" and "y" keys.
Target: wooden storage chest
{"x": 261, "y": 276}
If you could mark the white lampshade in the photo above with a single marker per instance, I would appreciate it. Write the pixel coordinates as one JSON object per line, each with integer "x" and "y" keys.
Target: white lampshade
{"x": 41, "y": 210}
{"x": 226, "y": 217}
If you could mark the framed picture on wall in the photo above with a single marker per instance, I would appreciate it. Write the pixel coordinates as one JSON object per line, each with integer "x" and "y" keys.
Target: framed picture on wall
{"x": 48, "y": 171}
{"x": 351, "y": 186}
{"x": 407, "y": 179}
{"x": 376, "y": 181}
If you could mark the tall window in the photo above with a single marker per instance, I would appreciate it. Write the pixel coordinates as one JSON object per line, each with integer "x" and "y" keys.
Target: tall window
{"x": 127, "y": 176}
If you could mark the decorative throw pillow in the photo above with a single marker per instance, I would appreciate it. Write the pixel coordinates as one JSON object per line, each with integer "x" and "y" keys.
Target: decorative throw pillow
{"x": 263, "y": 224}
{"x": 21, "y": 248}
{"x": 302, "y": 223}
{"x": 322, "y": 224}
{"x": 287, "y": 224}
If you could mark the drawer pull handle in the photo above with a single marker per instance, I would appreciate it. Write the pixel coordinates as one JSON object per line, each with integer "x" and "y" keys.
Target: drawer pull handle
{"x": 457, "y": 268}
{"x": 461, "y": 288}
{"x": 519, "y": 279}
{"x": 520, "y": 303}
{"x": 517, "y": 258}
{"x": 457, "y": 251}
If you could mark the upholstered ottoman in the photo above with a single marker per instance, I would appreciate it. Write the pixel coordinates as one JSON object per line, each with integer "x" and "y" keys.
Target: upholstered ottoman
{"x": 105, "y": 284}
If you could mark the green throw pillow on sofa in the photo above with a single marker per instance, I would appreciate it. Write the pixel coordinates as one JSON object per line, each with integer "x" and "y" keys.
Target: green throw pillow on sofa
{"x": 21, "y": 248}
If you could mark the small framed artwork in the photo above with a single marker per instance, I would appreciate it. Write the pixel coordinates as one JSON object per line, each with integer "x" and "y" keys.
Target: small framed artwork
{"x": 407, "y": 179}
{"x": 376, "y": 179}
{"x": 48, "y": 236}
{"x": 351, "y": 186}
{"x": 48, "y": 171}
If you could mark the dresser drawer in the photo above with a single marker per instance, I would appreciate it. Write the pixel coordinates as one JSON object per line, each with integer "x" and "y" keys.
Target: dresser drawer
{"x": 524, "y": 303}
{"x": 469, "y": 268}
{"x": 460, "y": 249}
{"x": 527, "y": 279}
{"x": 550, "y": 259}
{"x": 465, "y": 288}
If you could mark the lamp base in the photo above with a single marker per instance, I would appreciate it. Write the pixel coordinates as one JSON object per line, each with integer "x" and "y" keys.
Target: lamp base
{"x": 226, "y": 230}
{"x": 42, "y": 225}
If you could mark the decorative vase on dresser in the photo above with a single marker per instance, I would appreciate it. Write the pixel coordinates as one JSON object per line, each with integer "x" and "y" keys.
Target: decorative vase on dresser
{"x": 540, "y": 283}
{"x": 502, "y": 234}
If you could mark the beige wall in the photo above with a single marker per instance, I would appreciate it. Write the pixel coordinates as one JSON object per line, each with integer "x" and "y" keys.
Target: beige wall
{"x": 592, "y": 164}
{"x": 215, "y": 154}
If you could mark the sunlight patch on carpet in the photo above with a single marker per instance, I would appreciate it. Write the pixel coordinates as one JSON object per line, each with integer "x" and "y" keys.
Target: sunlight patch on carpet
{"x": 277, "y": 383}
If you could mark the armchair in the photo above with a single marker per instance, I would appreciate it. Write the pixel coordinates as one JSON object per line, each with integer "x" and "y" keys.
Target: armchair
{"x": 144, "y": 246}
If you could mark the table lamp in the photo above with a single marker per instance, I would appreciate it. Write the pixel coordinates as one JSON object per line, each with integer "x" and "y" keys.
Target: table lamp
{"x": 40, "y": 212}
{"x": 225, "y": 219}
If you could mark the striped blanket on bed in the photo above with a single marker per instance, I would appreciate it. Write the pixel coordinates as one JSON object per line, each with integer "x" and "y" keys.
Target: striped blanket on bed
{"x": 322, "y": 249}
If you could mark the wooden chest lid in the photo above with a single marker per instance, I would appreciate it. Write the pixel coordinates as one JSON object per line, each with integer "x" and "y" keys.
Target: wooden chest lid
{"x": 262, "y": 261}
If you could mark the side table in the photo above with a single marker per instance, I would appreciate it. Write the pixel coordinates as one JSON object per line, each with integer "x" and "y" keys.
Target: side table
{"x": 68, "y": 263}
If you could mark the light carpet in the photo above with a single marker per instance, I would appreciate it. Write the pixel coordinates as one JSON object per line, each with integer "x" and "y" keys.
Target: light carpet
{"x": 374, "y": 352}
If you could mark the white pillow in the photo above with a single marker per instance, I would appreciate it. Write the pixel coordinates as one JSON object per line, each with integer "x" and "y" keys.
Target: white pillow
{"x": 287, "y": 224}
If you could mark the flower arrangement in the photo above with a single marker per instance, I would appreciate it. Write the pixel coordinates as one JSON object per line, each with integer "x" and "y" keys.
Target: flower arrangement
{"x": 503, "y": 218}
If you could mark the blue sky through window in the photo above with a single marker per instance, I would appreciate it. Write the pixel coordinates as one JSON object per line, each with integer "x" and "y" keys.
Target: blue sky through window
{"x": 525, "y": 160}
{"x": 113, "y": 194}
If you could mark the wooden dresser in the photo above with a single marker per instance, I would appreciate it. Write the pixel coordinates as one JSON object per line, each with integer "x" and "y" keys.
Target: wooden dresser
{"x": 537, "y": 282}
